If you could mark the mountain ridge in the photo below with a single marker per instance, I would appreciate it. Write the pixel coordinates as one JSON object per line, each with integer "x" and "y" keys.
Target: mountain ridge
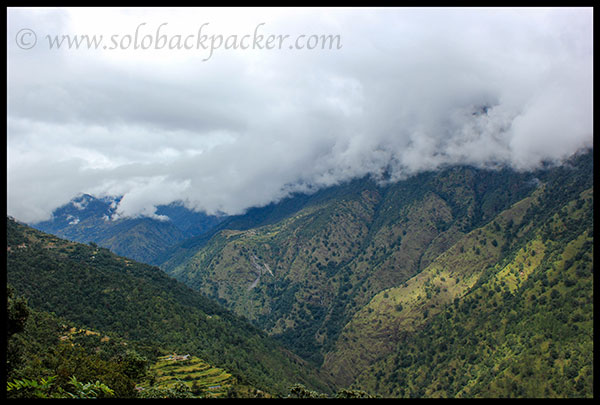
{"x": 91, "y": 286}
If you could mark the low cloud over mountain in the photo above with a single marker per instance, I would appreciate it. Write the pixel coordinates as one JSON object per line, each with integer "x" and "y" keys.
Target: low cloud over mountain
{"x": 407, "y": 90}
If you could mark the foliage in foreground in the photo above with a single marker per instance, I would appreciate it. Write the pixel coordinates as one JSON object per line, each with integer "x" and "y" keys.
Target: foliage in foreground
{"x": 45, "y": 389}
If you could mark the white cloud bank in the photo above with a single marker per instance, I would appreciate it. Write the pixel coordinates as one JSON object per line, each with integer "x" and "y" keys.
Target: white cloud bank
{"x": 409, "y": 90}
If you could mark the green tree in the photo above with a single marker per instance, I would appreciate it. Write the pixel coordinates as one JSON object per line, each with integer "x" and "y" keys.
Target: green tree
{"x": 17, "y": 313}
{"x": 300, "y": 391}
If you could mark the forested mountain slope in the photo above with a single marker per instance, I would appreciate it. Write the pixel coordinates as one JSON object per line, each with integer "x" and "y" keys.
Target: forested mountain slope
{"x": 524, "y": 329}
{"x": 344, "y": 281}
{"x": 92, "y": 287}
{"x": 303, "y": 277}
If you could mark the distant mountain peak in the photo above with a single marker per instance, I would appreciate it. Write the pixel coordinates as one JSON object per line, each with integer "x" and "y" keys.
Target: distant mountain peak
{"x": 87, "y": 218}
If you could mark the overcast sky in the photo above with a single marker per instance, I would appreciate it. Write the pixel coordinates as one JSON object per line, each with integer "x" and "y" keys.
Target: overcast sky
{"x": 401, "y": 90}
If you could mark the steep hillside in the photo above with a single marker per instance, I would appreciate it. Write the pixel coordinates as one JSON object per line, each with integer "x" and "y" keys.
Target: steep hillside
{"x": 507, "y": 311}
{"x": 254, "y": 217}
{"x": 89, "y": 219}
{"x": 346, "y": 279}
{"x": 90, "y": 286}
{"x": 303, "y": 277}
{"x": 393, "y": 313}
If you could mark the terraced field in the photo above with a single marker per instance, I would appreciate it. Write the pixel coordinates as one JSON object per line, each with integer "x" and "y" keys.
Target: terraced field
{"x": 200, "y": 376}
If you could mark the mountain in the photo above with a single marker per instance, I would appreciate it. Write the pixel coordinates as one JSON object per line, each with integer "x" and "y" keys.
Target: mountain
{"x": 361, "y": 276}
{"x": 89, "y": 219}
{"x": 519, "y": 324}
{"x": 521, "y": 328}
{"x": 92, "y": 287}
{"x": 252, "y": 218}
{"x": 461, "y": 282}
{"x": 301, "y": 278}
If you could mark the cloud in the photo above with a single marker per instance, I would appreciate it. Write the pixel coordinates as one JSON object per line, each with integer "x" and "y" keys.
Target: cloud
{"x": 409, "y": 90}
